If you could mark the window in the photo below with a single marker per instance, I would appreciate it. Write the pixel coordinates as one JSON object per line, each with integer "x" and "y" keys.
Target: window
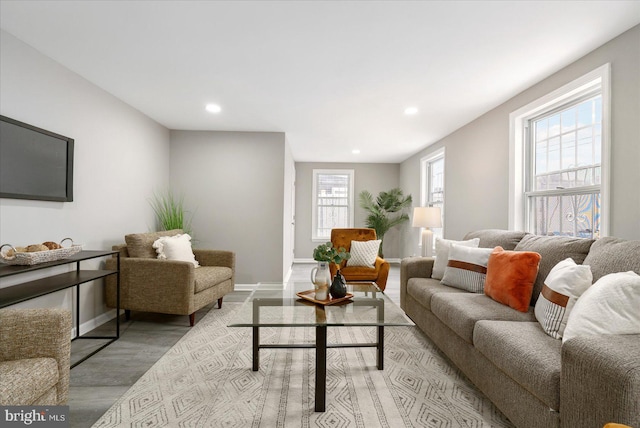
{"x": 332, "y": 201}
{"x": 563, "y": 148}
{"x": 432, "y": 186}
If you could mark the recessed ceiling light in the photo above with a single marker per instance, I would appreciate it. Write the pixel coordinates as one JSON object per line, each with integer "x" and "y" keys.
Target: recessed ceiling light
{"x": 411, "y": 110}
{"x": 355, "y": 151}
{"x": 213, "y": 108}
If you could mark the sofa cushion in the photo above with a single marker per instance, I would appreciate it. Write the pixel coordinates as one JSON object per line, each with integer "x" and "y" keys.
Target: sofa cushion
{"x": 209, "y": 276}
{"x": 553, "y": 250}
{"x": 22, "y": 382}
{"x": 525, "y": 353}
{"x": 610, "y": 306}
{"x": 460, "y": 312}
{"x": 141, "y": 244}
{"x": 443, "y": 246}
{"x": 423, "y": 289}
{"x": 490, "y": 238}
{"x": 510, "y": 277}
{"x": 467, "y": 268}
{"x": 610, "y": 255}
{"x": 564, "y": 285}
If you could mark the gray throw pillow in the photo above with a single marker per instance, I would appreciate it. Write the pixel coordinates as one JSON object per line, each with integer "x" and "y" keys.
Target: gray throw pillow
{"x": 553, "y": 249}
{"x": 491, "y": 238}
{"x": 141, "y": 244}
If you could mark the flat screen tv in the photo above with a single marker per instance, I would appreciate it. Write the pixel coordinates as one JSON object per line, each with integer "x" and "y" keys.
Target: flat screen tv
{"x": 34, "y": 163}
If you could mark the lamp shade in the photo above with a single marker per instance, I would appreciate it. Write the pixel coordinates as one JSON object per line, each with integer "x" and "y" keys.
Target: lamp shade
{"x": 427, "y": 217}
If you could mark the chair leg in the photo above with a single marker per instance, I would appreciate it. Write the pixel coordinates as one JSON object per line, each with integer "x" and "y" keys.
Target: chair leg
{"x": 127, "y": 314}
{"x": 192, "y": 319}
{"x": 220, "y": 303}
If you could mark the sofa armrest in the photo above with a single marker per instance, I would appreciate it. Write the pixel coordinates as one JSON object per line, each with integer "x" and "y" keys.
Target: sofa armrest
{"x": 166, "y": 285}
{"x": 38, "y": 333}
{"x": 216, "y": 258}
{"x": 600, "y": 381}
{"x": 413, "y": 267}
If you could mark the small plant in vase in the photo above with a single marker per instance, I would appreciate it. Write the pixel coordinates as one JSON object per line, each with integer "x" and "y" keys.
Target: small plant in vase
{"x": 325, "y": 254}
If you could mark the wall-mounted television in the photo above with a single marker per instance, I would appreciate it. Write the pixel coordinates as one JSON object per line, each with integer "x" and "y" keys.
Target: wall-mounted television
{"x": 34, "y": 163}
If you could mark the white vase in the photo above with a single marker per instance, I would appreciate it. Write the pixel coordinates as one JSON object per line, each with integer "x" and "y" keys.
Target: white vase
{"x": 321, "y": 278}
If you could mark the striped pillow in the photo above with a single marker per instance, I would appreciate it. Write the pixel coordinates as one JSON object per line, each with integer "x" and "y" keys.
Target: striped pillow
{"x": 467, "y": 268}
{"x": 562, "y": 287}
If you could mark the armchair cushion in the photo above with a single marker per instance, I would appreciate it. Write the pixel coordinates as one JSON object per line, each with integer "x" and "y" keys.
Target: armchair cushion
{"x": 364, "y": 253}
{"x": 141, "y": 244}
{"x": 177, "y": 247}
{"x": 208, "y": 276}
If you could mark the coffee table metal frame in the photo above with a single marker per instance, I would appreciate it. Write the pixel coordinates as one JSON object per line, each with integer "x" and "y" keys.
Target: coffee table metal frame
{"x": 321, "y": 325}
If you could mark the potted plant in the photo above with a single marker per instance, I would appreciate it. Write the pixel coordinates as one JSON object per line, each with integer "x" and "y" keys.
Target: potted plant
{"x": 320, "y": 275}
{"x": 382, "y": 212}
{"x": 170, "y": 212}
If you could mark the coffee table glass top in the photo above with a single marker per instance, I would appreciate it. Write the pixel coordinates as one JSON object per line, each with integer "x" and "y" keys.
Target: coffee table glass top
{"x": 274, "y": 305}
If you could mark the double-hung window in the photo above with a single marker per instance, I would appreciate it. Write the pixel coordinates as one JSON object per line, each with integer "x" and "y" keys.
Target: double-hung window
{"x": 332, "y": 201}
{"x": 432, "y": 185}
{"x": 564, "y": 158}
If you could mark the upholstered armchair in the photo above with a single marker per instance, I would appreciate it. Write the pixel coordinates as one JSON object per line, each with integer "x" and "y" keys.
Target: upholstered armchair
{"x": 35, "y": 353}
{"x": 378, "y": 273}
{"x": 148, "y": 284}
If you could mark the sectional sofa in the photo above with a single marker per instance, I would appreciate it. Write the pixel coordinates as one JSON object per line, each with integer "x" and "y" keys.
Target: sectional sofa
{"x": 534, "y": 379}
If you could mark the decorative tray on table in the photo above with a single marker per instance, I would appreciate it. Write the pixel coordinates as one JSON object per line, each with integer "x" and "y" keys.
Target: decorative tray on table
{"x": 20, "y": 256}
{"x": 309, "y": 295}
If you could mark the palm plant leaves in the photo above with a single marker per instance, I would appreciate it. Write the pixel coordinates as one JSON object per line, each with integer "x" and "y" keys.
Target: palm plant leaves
{"x": 385, "y": 204}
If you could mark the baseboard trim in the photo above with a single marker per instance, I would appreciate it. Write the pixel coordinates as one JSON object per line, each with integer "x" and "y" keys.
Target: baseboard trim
{"x": 94, "y": 323}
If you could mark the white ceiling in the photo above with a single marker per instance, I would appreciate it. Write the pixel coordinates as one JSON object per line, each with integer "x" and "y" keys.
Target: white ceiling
{"x": 335, "y": 76}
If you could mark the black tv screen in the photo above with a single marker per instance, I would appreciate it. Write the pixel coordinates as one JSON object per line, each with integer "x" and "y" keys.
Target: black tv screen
{"x": 34, "y": 163}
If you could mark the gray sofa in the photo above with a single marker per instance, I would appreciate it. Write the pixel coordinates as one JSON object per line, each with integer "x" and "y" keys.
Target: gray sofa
{"x": 534, "y": 379}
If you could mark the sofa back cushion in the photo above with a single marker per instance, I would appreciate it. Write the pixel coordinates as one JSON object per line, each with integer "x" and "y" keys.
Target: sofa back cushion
{"x": 491, "y": 238}
{"x": 141, "y": 244}
{"x": 553, "y": 249}
{"x": 611, "y": 255}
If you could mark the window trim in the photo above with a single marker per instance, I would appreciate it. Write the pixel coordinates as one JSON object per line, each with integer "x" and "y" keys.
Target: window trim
{"x": 314, "y": 202}
{"x": 601, "y": 76}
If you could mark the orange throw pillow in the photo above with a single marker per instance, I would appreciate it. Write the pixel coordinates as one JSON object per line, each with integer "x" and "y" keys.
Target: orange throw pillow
{"x": 510, "y": 277}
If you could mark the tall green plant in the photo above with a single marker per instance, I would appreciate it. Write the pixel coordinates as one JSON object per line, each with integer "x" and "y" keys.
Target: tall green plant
{"x": 170, "y": 211}
{"x": 386, "y": 211}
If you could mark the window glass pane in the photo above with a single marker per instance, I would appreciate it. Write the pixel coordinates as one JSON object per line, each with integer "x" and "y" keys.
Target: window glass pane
{"x": 332, "y": 202}
{"x": 554, "y": 125}
{"x": 541, "y": 157}
{"x": 541, "y": 130}
{"x": 568, "y": 150}
{"x": 568, "y": 119}
{"x": 585, "y": 113}
{"x": 570, "y": 215}
{"x": 554, "y": 154}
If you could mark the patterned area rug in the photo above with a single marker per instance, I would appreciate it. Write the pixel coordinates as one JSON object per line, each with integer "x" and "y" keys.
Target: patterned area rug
{"x": 206, "y": 380}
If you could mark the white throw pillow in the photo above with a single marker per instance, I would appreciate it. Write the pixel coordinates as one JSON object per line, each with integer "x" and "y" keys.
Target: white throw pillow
{"x": 442, "y": 254}
{"x": 610, "y": 306}
{"x": 176, "y": 247}
{"x": 364, "y": 253}
{"x": 467, "y": 268}
{"x": 563, "y": 286}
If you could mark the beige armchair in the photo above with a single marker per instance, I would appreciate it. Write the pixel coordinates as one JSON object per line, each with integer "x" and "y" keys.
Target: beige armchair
{"x": 35, "y": 353}
{"x": 168, "y": 286}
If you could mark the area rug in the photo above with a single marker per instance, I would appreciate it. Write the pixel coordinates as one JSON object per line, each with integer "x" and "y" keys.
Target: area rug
{"x": 206, "y": 380}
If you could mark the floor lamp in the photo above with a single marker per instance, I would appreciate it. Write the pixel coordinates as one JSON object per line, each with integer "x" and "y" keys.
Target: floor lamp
{"x": 427, "y": 217}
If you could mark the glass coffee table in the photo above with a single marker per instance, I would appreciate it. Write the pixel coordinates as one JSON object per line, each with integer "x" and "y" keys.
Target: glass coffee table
{"x": 274, "y": 305}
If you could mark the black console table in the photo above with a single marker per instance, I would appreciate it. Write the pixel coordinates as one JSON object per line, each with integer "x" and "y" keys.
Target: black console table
{"x": 43, "y": 286}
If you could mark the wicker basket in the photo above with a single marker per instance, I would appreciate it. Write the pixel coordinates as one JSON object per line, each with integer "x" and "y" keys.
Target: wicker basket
{"x": 39, "y": 256}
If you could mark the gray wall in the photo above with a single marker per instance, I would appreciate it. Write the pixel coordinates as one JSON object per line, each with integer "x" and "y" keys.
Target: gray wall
{"x": 233, "y": 182}
{"x": 372, "y": 177}
{"x": 477, "y": 163}
{"x": 120, "y": 157}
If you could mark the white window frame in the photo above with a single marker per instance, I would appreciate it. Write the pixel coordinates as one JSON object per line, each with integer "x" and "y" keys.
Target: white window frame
{"x": 314, "y": 208}
{"x": 425, "y": 182}
{"x": 518, "y": 121}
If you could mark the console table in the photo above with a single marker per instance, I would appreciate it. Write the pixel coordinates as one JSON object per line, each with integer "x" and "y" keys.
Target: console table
{"x": 50, "y": 284}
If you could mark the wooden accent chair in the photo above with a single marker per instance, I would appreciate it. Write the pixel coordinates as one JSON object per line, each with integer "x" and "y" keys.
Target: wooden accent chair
{"x": 377, "y": 273}
{"x": 168, "y": 286}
